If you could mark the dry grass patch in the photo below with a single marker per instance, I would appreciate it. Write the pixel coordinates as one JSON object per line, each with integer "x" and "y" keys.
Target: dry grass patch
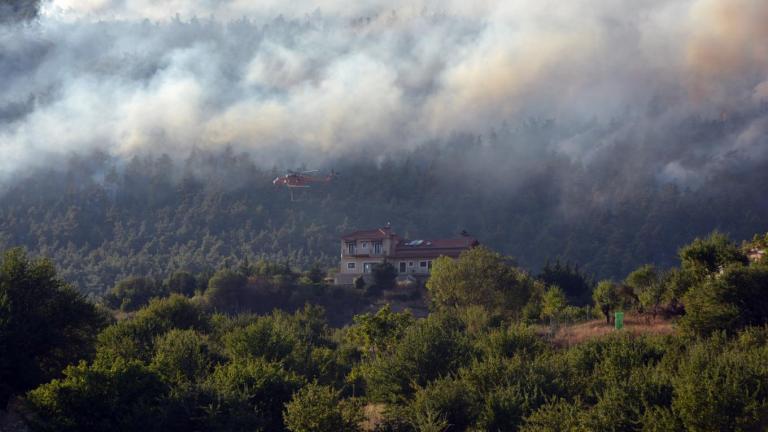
{"x": 634, "y": 324}
{"x": 374, "y": 416}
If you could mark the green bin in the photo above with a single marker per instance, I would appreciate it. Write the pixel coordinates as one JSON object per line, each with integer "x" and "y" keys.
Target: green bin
{"x": 618, "y": 320}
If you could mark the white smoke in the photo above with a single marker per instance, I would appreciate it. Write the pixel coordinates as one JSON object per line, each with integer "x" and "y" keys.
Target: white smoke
{"x": 319, "y": 80}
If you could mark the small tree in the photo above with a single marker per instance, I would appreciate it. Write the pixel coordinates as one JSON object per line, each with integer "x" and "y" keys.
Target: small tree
{"x": 576, "y": 284}
{"x": 226, "y": 289}
{"x": 183, "y": 283}
{"x": 133, "y": 293}
{"x": 479, "y": 277}
{"x": 647, "y": 285}
{"x": 359, "y": 283}
{"x": 317, "y": 408}
{"x": 44, "y": 324}
{"x": 711, "y": 254}
{"x": 384, "y": 275}
{"x": 379, "y": 332}
{"x": 553, "y": 302}
{"x": 316, "y": 274}
{"x": 125, "y": 396}
{"x": 734, "y": 300}
{"x": 606, "y": 298}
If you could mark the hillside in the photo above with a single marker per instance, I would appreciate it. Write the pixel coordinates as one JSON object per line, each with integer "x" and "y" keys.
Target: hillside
{"x": 102, "y": 220}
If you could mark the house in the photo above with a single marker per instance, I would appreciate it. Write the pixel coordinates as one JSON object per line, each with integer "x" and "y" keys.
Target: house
{"x": 361, "y": 250}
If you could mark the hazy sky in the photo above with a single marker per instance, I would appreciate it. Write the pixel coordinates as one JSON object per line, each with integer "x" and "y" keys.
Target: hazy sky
{"x": 322, "y": 79}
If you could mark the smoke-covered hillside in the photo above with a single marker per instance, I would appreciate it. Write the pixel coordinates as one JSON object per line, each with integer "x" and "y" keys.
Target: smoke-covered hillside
{"x": 607, "y": 133}
{"x": 101, "y": 221}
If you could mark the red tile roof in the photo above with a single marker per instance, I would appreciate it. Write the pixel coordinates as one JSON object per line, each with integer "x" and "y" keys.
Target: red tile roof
{"x": 374, "y": 234}
{"x": 434, "y": 248}
{"x": 414, "y": 249}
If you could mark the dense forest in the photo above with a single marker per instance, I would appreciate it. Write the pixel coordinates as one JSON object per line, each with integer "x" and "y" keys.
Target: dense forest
{"x": 103, "y": 219}
{"x": 197, "y": 358}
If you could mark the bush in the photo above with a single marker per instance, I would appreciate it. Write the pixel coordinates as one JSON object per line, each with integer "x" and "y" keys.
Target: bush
{"x": 182, "y": 358}
{"x": 226, "y": 290}
{"x": 182, "y": 283}
{"x": 384, "y": 275}
{"x": 606, "y": 298}
{"x": 317, "y": 408}
{"x": 558, "y": 415}
{"x": 134, "y": 338}
{"x": 44, "y": 324}
{"x": 126, "y": 396}
{"x": 722, "y": 388}
{"x": 479, "y": 277}
{"x": 735, "y": 299}
{"x": 359, "y": 283}
{"x": 429, "y": 349}
{"x": 133, "y": 293}
{"x": 553, "y": 303}
{"x": 249, "y": 395}
{"x": 446, "y": 399}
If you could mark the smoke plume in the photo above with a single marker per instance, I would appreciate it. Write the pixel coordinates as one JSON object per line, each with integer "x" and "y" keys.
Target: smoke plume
{"x": 313, "y": 81}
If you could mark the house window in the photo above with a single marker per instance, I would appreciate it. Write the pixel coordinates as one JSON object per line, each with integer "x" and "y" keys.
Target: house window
{"x": 351, "y": 248}
{"x": 423, "y": 264}
{"x": 367, "y": 267}
{"x": 365, "y": 244}
{"x": 377, "y": 247}
{"x": 350, "y": 266}
{"x": 402, "y": 266}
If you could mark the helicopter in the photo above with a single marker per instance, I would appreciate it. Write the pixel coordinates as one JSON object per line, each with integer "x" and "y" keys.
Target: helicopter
{"x": 302, "y": 179}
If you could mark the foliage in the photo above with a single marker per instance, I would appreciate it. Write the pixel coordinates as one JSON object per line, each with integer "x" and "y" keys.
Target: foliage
{"x": 182, "y": 282}
{"x": 359, "y": 283}
{"x": 132, "y": 293}
{"x": 182, "y": 358}
{"x": 44, "y": 324}
{"x": 649, "y": 287}
{"x": 479, "y": 277}
{"x": 606, "y": 298}
{"x": 176, "y": 364}
{"x": 384, "y": 275}
{"x": 446, "y": 399}
{"x": 317, "y": 408}
{"x": 378, "y": 333}
{"x": 125, "y": 396}
{"x": 576, "y": 284}
{"x": 721, "y": 388}
{"x": 709, "y": 255}
{"x": 102, "y": 219}
{"x": 134, "y": 339}
{"x": 249, "y": 394}
{"x": 558, "y": 415}
{"x": 553, "y": 303}
{"x": 226, "y": 290}
{"x": 429, "y": 349}
{"x": 733, "y": 300}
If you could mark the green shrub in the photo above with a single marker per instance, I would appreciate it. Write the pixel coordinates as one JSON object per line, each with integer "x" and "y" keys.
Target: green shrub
{"x": 722, "y": 388}
{"x": 558, "y": 415}
{"x": 318, "y": 408}
{"x": 249, "y": 395}
{"x": 125, "y": 396}
{"x": 446, "y": 399}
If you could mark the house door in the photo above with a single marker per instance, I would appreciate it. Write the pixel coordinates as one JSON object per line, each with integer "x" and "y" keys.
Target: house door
{"x": 402, "y": 267}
